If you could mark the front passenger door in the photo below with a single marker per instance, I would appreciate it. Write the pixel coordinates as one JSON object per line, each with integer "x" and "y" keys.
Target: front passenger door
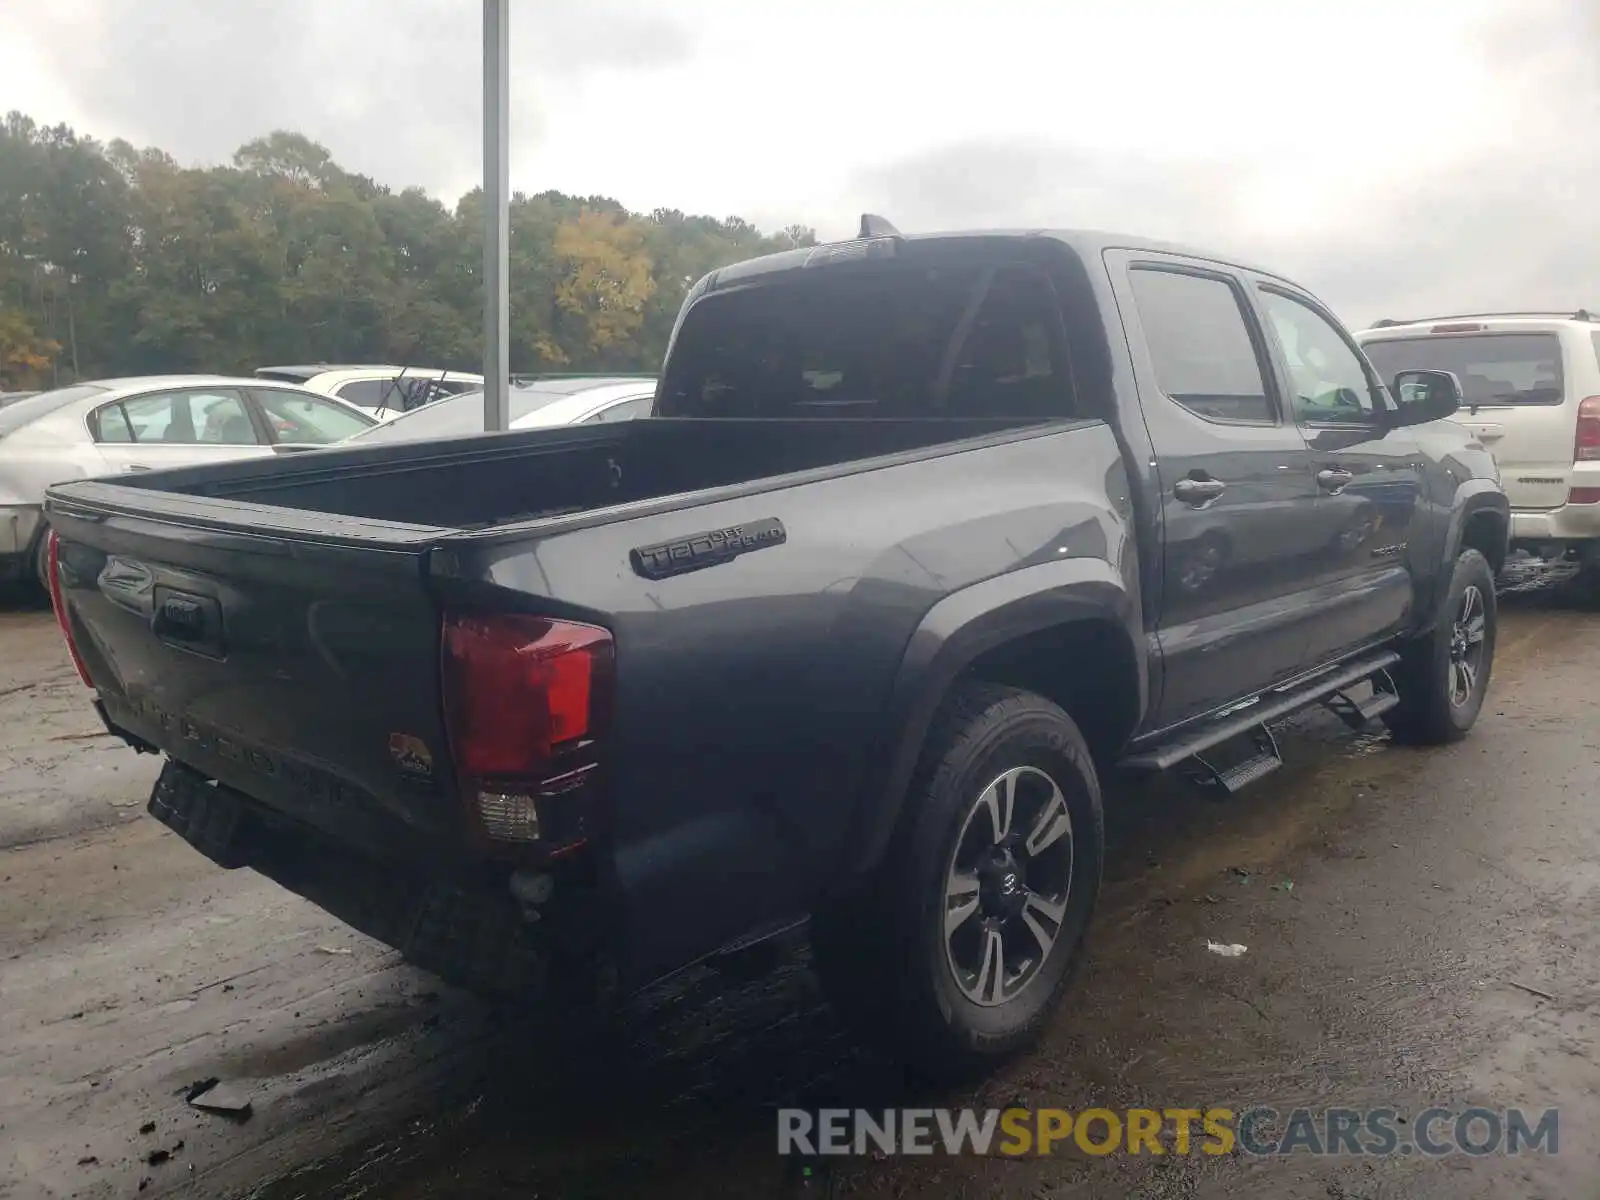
{"x": 1368, "y": 474}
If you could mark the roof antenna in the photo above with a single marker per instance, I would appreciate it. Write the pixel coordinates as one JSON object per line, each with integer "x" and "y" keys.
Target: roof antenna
{"x": 874, "y": 226}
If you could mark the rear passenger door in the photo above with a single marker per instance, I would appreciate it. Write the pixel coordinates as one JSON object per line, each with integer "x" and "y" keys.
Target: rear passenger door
{"x": 1368, "y": 475}
{"x": 1238, "y": 500}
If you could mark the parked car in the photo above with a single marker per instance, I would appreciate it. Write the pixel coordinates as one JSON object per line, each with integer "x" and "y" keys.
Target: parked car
{"x": 538, "y": 405}
{"x": 383, "y": 391}
{"x": 144, "y": 424}
{"x": 1531, "y": 394}
{"x": 849, "y": 629}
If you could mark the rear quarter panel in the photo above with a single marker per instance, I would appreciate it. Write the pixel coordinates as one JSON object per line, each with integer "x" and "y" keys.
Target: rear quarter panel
{"x": 752, "y": 696}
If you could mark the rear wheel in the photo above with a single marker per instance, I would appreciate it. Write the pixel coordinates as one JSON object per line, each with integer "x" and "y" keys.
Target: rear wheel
{"x": 963, "y": 945}
{"x": 1443, "y": 677}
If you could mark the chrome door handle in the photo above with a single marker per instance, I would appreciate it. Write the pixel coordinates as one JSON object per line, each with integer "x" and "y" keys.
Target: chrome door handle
{"x": 1333, "y": 481}
{"x": 1198, "y": 492}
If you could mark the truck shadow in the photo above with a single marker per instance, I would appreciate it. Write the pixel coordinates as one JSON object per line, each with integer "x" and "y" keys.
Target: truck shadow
{"x": 676, "y": 1093}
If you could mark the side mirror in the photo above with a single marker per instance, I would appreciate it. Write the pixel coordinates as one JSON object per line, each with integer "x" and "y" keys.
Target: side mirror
{"x": 1425, "y": 396}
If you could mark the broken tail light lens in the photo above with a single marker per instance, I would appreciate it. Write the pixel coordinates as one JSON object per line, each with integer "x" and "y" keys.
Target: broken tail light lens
{"x": 526, "y": 700}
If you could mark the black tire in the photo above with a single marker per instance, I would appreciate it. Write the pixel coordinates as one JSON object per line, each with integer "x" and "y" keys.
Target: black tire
{"x": 1435, "y": 707}
{"x": 884, "y": 956}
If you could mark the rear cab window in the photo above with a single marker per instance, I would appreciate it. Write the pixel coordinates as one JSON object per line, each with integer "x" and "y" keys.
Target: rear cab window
{"x": 1496, "y": 369}
{"x": 882, "y": 340}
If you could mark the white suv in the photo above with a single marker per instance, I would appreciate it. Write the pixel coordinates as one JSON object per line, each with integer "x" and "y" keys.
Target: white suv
{"x": 1530, "y": 387}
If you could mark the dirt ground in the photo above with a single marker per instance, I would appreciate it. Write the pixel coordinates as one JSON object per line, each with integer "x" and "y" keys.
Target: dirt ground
{"x": 1422, "y": 927}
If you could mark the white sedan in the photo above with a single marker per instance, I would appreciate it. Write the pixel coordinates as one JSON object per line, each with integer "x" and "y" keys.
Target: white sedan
{"x": 106, "y": 426}
{"x": 539, "y": 404}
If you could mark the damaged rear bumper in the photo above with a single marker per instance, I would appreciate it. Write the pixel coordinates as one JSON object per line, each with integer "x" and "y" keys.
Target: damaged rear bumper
{"x": 474, "y": 937}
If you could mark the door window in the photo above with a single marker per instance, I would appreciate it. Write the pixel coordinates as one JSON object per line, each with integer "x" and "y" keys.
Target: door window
{"x": 111, "y": 425}
{"x": 1199, "y": 339}
{"x": 1330, "y": 383}
{"x": 308, "y": 420}
{"x": 203, "y": 417}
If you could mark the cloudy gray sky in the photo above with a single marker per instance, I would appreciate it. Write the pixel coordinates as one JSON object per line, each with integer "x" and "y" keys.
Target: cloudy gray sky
{"x": 1395, "y": 155}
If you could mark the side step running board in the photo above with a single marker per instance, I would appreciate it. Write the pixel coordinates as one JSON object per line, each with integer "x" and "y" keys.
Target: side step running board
{"x": 1242, "y": 774}
{"x": 1357, "y": 713}
{"x": 1269, "y": 706}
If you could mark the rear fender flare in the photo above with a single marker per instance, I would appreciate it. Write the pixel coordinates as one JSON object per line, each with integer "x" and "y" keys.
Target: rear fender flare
{"x": 951, "y": 636}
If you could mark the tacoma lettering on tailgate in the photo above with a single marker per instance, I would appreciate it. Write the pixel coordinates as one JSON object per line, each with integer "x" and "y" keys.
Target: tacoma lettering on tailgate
{"x": 307, "y": 780}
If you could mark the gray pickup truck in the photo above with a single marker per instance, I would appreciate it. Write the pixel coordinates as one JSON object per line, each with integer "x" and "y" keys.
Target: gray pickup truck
{"x": 923, "y": 536}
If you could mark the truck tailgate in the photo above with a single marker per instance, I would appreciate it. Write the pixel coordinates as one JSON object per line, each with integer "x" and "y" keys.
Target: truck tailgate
{"x": 294, "y": 657}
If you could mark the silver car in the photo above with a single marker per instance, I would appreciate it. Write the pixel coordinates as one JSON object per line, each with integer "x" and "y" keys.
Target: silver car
{"x": 539, "y": 404}
{"x": 108, "y": 426}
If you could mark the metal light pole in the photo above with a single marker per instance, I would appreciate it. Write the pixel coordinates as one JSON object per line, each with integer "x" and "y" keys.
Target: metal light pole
{"x": 496, "y": 213}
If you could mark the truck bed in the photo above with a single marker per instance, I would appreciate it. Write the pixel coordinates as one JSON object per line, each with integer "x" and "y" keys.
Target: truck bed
{"x": 477, "y": 482}
{"x": 293, "y": 653}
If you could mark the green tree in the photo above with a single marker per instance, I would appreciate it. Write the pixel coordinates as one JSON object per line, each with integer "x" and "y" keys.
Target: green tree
{"x": 115, "y": 259}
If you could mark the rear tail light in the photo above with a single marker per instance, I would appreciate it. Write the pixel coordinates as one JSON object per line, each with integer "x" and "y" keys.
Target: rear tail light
{"x": 526, "y": 701}
{"x": 1589, "y": 495}
{"x": 53, "y": 568}
{"x": 1586, "y": 443}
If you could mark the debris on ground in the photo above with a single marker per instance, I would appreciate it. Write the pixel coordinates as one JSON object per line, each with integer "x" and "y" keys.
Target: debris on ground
{"x": 148, "y": 1127}
{"x": 223, "y": 1099}
{"x": 1230, "y": 950}
{"x": 198, "y": 1086}
{"x": 1286, "y": 886}
{"x": 1532, "y": 991}
{"x": 333, "y": 950}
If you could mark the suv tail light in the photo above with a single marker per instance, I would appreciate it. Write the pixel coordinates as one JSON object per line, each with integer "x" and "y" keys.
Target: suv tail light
{"x": 526, "y": 700}
{"x": 1586, "y": 443}
{"x": 53, "y": 568}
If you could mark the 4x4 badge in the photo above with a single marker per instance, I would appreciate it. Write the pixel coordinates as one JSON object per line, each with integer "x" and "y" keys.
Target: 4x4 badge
{"x": 411, "y": 755}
